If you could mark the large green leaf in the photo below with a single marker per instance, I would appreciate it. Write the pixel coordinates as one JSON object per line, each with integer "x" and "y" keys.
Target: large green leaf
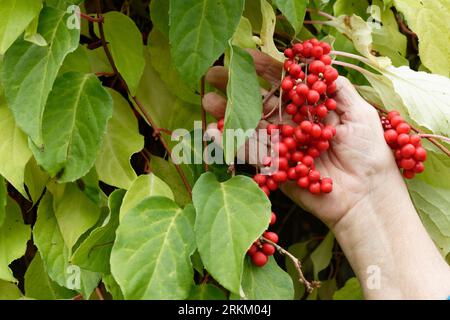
{"x": 94, "y": 252}
{"x": 9, "y": 291}
{"x": 166, "y": 171}
{"x": 151, "y": 255}
{"x": 3, "y": 200}
{"x": 425, "y": 96}
{"x": 16, "y": 16}
{"x": 30, "y": 70}
{"x": 127, "y": 48}
{"x": 112, "y": 287}
{"x": 161, "y": 60}
{"x": 267, "y": 283}
{"x": 159, "y": 101}
{"x": 267, "y": 31}
{"x": 244, "y": 105}
{"x": 321, "y": 256}
{"x": 35, "y": 179}
{"x": 243, "y": 37}
{"x": 74, "y": 123}
{"x": 294, "y": 11}
{"x": 122, "y": 140}
{"x": 428, "y": 19}
{"x": 350, "y": 291}
{"x": 14, "y": 151}
{"x": 14, "y": 235}
{"x": 55, "y": 254}
{"x": 349, "y": 7}
{"x": 144, "y": 186}
{"x": 159, "y": 13}
{"x": 230, "y": 216}
{"x": 74, "y": 211}
{"x": 198, "y": 37}
{"x": 39, "y": 286}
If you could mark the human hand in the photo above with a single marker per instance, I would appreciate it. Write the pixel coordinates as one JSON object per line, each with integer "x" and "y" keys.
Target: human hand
{"x": 359, "y": 160}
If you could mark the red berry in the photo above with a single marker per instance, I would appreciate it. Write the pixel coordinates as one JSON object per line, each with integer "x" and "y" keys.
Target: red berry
{"x": 272, "y": 236}
{"x": 415, "y": 140}
{"x": 287, "y": 64}
{"x": 327, "y": 134}
{"x": 313, "y": 96}
{"x": 295, "y": 70}
{"x": 273, "y": 218}
{"x": 313, "y": 152}
{"x": 331, "y": 104}
{"x": 326, "y": 187}
{"x": 280, "y": 176}
{"x": 407, "y": 164}
{"x": 316, "y": 131}
{"x": 314, "y": 41}
{"x": 409, "y": 174}
{"x": 396, "y": 120}
{"x": 271, "y": 184}
{"x": 260, "y": 179}
{"x": 221, "y": 124}
{"x": 259, "y": 259}
{"x": 317, "y": 52}
{"x": 323, "y": 145}
{"x": 420, "y": 154}
{"x": 326, "y": 59}
{"x": 271, "y": 128}
{"x": 266, "y": 190}
{"x": 306, "y": 126}
{"x": 321, "y": 111}
{"x": 303, "y": 182}
{"x": 289, "y": 53}
{"x": 287, "y": 84}
{"x": 311, "y": 79}
{"x": 403, "y": 128}
{"x": 282, "y": 163}
{"x": 326, "y": 47}
{"x": 307, "y": 47}
{"x": 268, "y": 249}
{"x": 281, "y": 149}
{"x": 402, "y": 139}
{"x": 297, "y": 48}
{"x": 287, "y": 130}
{"x": 308, "y": 161}
{"x": 331, "y": 75}
{"x": 302, "y": 89}
{"x": 408, "y": 150}
{"x": 253, "y": 249}
{"x": 291, "y": 109}
{"x": 391, "y": 136}
{"x": 419, "y": 168}
{"x": 331, "y": 88}
{"x": 392, "y": 114}
{"x": 317, "y": 67}
{"x": 297, "y": 156}
{"x": 298, "y": 100}
{"x": 320, "y": 87}
{"x": 314, "y": 188}
{"x": 302, "y": 170}
{"x": 292, "y": 174}
{"x": 290, "y": 143}
{"x": 314, "y": 175}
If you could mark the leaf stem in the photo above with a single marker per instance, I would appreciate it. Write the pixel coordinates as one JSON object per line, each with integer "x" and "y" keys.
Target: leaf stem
{"x": 310, "y": 286}
{"x": 351, "y": 55}
{"x": 352, "y": 66}
{"x": 141, "y": 108}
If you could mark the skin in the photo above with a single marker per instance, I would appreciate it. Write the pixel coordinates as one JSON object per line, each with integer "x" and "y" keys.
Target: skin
{"x": 369, "y": 211}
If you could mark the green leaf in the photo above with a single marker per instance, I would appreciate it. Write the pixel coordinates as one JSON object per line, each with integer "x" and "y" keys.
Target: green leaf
{"x": 16, "y": 16}
{"x": 122, "y": 140}
{"x": 39, "y": 286}
{"x": 425, "y": 96}
{"x": 74, "y": 123}
{"x": 252, "y": 11}
{"x": 166, "y": 171}
{"x": 428, "y": 19}
{"x": 159, "y": 13}
{"x": 127, "y": 48}
{"x": 349, "y": 7}
{"x": 94, "y": 252}
{"x": 14, "y": 235}
{"x": 267, "y": 283}
{"x": 9, "y": 291}
{"x": 166, "y": 109}
{"x": 321, "y": 256}
{"x": 244, "y": 105}
{"x": 230, "y": 216}
{"x": 206, "y": 292}
{"x": 144, "y": 186}
{"x": 151, "y": 255}
{"x": 35, "y": 180}
{"x": 29, "y": 70}
{"x": 112, "y": 287}
{"x": 243, "y": 37}
{"x": 198, "y": 37}
{"x": 350, "y": 291}
{"x": 32, "y": 35}
{"x": 62, "y": 4}
{"x": 55, "y": 254}
{"x": 14, "y": 151}
{"x": 74, "y": 211}
{"x": 267, "y": 31}
{"x": 294, "y": 11}
{"x": 3, "y": 200}
{"x": 161, "y": 60}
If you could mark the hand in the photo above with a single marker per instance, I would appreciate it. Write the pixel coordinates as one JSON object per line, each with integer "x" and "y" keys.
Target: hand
{"x": 358, "y": 158}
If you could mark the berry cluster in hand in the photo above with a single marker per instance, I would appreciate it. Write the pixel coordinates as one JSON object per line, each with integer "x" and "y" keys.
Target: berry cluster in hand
{"x": 260, "y": 251}
{"x": 407, "y": 147}
{"x": 307, "y": 93}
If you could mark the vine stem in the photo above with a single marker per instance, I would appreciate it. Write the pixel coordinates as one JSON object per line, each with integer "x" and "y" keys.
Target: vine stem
{"x": 351, "y": 55}
{"x": 139, "y": 105}
{"x": 310, "y": 286}
{"x": 352, "y": 66}
{"x": 267, "y": 97}
{"x": 430, "y": 137}
{"x": 202, "y": 95}
{"x": 89, "y": 18}
{"x": 320, "y": 13}
{"x": 99, "y": 293}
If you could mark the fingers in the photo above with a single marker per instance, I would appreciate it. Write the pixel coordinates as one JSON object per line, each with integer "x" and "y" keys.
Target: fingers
{"x": 217, "y": 76}
{"x": 266, "y": 66}
{"x": 215, "y": 104}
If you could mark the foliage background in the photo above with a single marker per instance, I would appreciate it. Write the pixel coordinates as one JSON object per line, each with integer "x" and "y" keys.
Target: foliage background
{"x": 87, "y": 187}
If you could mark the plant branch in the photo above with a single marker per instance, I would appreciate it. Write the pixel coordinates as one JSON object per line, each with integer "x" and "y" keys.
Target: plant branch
{"x": 314, "y": 22}
{"x": 351, "y": 55}
{"x": 310, "y": 286}
{"x": 99, "y": 293}
{"x": 436, "y": 136}
{"x": 269, "y": 95}
{"x": 320, "y": 13}
{"x": 202, "y": 95}
{"x": 89, "y": 18}
{"x": 139, "y": 105}
{"x": 352, "y": 66}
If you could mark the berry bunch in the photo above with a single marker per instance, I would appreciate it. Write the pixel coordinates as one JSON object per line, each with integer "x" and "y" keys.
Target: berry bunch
{"x": 260, "y": 252}
{"x": 308, "y": 88}
{"x": 407, "y": 147}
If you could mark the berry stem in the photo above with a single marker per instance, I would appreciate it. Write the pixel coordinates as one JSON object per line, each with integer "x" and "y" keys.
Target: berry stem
{"x": 436, "y": 136}
{"x": 202, "y": 95}
{"x": 321, "y": 13}
{"x": 352, "y": 66}
{"x": 310, "y": 286}
{"x": 351, "y": 55}
{"x": 138, "y": 104}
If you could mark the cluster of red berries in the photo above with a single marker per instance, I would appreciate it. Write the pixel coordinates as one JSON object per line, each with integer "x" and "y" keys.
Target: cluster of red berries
{"x": 308, "y": 88}
{"x": 407, "y": 147}
{"x": 260, "y": 250}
